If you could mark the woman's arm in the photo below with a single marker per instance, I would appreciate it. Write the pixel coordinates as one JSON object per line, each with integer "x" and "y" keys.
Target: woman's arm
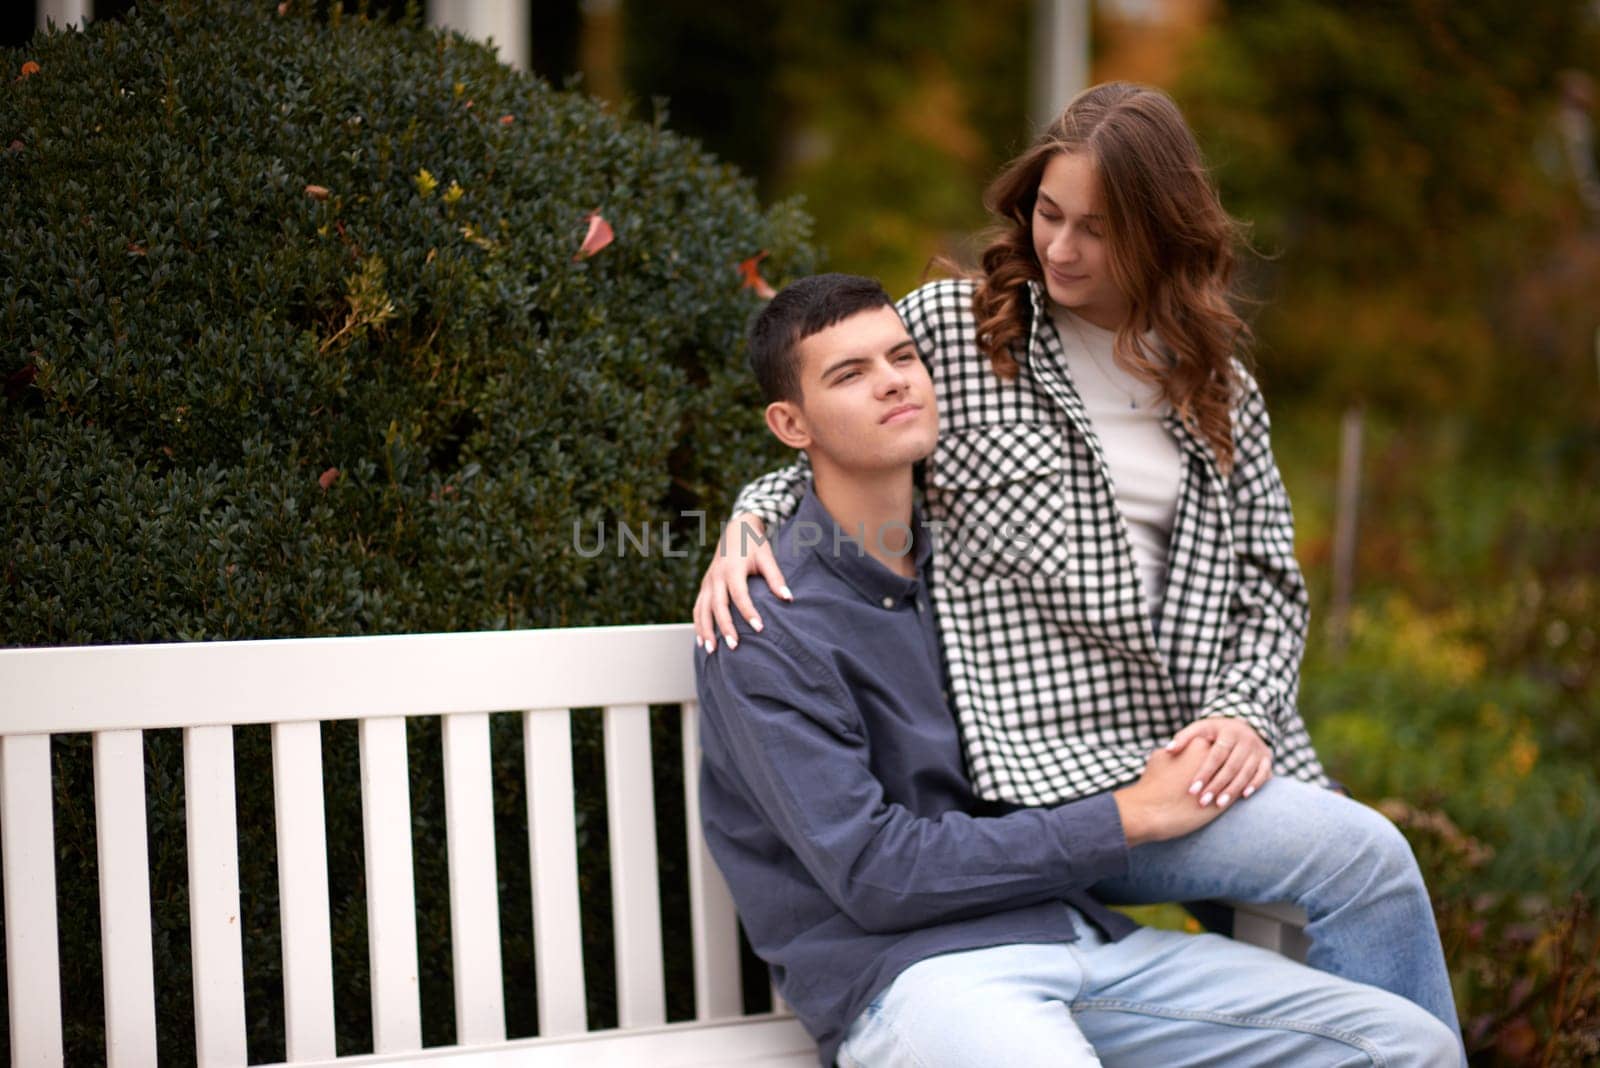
{"x": 743, "y": 550}
{"x": 1258, "y": 682}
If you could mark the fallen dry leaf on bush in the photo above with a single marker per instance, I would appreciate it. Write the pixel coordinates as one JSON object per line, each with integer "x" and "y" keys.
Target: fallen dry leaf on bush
{"x": 317, "y": 192}
{"x": 599, "y": 236}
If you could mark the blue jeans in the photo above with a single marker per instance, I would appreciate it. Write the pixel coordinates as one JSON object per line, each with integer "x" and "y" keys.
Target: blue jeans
{"x": 1154, "y": 998}
{"x": 1368, "y": 914}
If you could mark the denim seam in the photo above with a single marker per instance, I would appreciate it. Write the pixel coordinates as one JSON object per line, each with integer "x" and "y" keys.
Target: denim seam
{"x": 881, "y": 1019}
{"x": 1232, "y": 1019}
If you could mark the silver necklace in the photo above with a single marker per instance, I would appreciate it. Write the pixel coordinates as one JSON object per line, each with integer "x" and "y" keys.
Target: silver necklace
{"x": 1133, "y": 402}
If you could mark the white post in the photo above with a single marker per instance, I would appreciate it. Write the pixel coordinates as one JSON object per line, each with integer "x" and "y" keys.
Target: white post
{"x": 63, "y": 13}
{"x": 1060, "y": 57}
{"x": 504, "y": 21}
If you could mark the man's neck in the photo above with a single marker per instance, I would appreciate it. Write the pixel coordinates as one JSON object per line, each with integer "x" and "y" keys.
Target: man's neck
{"x": 875, "y": 507}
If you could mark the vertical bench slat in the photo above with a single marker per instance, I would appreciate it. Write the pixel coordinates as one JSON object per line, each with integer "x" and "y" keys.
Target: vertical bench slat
{"x": 214, "y": 929}
{"x": 391, "y": 893}
{"x": 33, "y": 964}
{"x": 126, "y": 954}
{"x": 635, "y": 901}
{"x": 303, "y": 891}
{"x": 713, "y": 923}
{"x": 474, "y": 896}
{"x": 553, "y": 856}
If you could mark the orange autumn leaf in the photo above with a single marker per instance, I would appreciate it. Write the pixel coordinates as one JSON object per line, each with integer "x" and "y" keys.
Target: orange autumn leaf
{"x": 328, "y": 477}
{"x": 29, "y": 69}
{"x": 317, "y": 192}
{"x": 507, "y": 120}
{"x": 599, "y": 236}
{"x": 750, "y": 276}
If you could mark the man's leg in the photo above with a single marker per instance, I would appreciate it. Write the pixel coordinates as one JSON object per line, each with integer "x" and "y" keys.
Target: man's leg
{"x": 1004, "y": 1005}
{"x": 1369, "y": 918}
{"x": 1160, "y": 997}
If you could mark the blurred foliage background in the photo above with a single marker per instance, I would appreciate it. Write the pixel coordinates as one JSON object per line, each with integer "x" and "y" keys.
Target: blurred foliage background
{"x": 1425, "y": 252}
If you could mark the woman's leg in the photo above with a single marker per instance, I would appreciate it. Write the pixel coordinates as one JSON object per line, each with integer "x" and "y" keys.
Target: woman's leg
{"x": 1159, "y": 997}
{"x": 1368, "y": 914}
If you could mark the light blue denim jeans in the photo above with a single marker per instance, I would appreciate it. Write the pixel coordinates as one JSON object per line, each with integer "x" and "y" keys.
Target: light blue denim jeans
{"x": 1368, "y": 914}
{"x": 1154, "y": 998}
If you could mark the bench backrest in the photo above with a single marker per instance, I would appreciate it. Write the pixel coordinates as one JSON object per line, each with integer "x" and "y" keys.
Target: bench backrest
{"x": 117, "y": 692}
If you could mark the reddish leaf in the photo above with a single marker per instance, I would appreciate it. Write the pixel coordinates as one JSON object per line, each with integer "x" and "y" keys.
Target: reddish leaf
{"x": 750, "y": 276}
{"x": 317, "y": 192}
{"x": 507, "y": 120}
{"x": 135, "y": 249}
{"x": 17, "y": 146}
{"x": 29, "y": 69}
{"x": 599, "y": 236}
{"x": 283, "y": 8}
{"x": 328, "y": 477}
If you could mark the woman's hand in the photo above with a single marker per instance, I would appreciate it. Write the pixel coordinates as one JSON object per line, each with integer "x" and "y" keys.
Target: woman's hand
{"x": 742, "y": 551}
{"x": 1238, "y": 764}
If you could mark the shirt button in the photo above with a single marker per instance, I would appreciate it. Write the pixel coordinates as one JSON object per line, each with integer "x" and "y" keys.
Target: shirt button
{"x": 888, "y": 602}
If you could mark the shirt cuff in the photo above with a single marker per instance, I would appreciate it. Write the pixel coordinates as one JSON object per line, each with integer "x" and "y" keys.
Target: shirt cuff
{"x": 1092, "y": 839}
{"x": 1239, "y": 707}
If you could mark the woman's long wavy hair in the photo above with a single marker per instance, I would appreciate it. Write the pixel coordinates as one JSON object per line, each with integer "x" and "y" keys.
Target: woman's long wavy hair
{"x": 1170, "y": 249}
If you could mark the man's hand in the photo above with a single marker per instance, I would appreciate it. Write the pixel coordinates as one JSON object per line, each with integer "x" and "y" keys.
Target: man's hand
{"x": 1238, "y": 764}
{"x": 1157, "y": 807}
{"x": 743, "y": 551}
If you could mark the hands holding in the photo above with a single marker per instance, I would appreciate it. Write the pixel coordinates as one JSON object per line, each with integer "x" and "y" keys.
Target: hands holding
{"x": 1237, "y": 761}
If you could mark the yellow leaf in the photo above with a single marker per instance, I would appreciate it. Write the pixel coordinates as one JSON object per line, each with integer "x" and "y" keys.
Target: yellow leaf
{"x": 426, "y": 183}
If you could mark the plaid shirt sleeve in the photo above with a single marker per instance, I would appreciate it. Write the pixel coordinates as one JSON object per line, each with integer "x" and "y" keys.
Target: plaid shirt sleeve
{"x": 1269, "y": 610}
{"x": 775, "y": 495}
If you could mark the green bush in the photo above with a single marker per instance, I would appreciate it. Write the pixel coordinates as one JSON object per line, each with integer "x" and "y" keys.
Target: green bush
{"x": 297, "y": 339}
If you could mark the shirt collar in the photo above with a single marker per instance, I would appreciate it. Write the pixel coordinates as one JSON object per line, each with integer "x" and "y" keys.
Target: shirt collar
{"x": 814, "y": 531}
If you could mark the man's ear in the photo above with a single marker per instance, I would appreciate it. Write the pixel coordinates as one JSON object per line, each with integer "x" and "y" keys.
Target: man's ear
{"x": 788, "y": 424}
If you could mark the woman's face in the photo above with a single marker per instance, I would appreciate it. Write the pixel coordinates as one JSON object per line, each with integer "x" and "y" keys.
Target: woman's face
{"x": 1069, "y": 237}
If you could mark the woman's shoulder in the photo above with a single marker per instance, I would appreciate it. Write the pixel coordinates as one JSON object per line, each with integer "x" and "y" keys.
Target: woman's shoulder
{"x": 942, "y": 308}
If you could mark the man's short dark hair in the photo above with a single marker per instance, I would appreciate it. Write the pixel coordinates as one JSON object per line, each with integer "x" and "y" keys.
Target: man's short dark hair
{"x": 808, "y": 306}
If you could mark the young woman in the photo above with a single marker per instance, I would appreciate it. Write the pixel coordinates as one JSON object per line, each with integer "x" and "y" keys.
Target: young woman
{"x": 1116, "y": 566}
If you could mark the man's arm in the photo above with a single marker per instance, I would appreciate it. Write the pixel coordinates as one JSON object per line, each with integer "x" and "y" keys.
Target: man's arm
{"x": 781, "y": 723}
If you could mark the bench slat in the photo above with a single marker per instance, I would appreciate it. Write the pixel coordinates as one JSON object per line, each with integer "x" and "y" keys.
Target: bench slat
{"x": 553, "y": 856}
{"x": 214, "y": 929}
{"x": 391, "y": 894}
{"x": 474, "y": 896}
{"x": 126, "y": 954}
{"x": 635, "y": 905}
{"x": 33, "y": 965}
{"x": 714, "y": 925}
{"x": 303, "y": 891}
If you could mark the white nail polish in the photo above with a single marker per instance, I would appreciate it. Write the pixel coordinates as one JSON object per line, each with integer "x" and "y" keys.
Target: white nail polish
{"x": 755, "y": 623}
{"x": 1206, "y": 799}
{"x": 783, "y": 591}
{"x": 1196, "y": 787}
{"x": 1248, "y": 790}
{"x": 733, "y": 642}
{"x": 1222, "y": 802}
{"x": 711, "y": 646}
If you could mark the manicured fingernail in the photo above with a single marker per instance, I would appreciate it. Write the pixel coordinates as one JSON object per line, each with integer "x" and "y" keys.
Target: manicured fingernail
{"x": 711, "y": 646}
{"x": 783, "y": 591}
{"x": 1222, "y": 802}
{"x": 1248, "y": 790}
{"x": 1196, "y": 787}
{"x": 732, "y": 640}
{"x": 1205, "y": 799}
{"x": 1172, "y": 744}
{"x": 755, "y": 623}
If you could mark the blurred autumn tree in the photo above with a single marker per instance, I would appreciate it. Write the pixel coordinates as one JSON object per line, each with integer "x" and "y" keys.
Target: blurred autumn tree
{"x": 888, "y": 117}
{"x": 1387, "y": 156}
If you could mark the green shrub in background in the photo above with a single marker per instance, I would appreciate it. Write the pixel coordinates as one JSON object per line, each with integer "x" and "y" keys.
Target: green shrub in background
{"x": 298, "y": 337}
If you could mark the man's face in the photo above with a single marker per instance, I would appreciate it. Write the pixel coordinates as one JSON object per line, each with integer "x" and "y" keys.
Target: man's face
{"x": 866, "y": 401}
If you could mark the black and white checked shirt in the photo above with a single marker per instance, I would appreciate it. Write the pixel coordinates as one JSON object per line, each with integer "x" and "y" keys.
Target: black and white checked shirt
{"x": 1060, "y": 678}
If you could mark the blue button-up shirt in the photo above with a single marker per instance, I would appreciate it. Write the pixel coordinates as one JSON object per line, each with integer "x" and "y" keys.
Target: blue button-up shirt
{"x": 834, "y": 799}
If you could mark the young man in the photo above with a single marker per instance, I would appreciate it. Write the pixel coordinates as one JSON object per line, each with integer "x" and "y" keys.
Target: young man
{"x": 905, "y": 924}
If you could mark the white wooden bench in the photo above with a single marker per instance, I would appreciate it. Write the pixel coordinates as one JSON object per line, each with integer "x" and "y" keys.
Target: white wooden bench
{"x": 117, "y": 692}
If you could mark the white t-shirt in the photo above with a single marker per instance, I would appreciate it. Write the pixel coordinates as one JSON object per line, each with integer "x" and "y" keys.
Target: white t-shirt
{"x": 1146, "y": 466}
